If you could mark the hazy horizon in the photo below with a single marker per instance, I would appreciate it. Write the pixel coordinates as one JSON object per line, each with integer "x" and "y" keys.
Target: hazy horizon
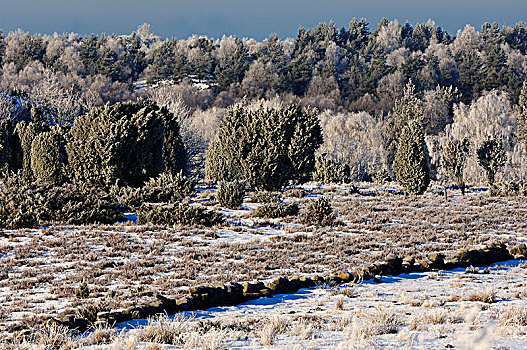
{"x": 243, "y": 18}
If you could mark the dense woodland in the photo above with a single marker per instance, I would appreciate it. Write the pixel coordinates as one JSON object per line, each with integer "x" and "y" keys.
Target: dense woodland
{"x": 466, "y": 92}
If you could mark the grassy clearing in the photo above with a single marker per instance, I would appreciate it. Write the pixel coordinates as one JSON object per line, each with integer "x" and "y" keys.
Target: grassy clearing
{"x": 125, "y": 264}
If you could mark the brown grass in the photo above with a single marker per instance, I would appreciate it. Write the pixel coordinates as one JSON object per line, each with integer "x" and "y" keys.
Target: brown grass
{"x": 150, "y": 260}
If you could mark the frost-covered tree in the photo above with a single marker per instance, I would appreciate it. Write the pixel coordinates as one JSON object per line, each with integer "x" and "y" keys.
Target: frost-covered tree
{"x": 353, "y": 139}
{"x": 261, "y": 80}
{"x": 522, "y": 116}
{"x": 489, "y": 116}
{"x": 491, "y": 157}
{"x": 264, "y": 147}
{"x": 410, "y": 166}
{"x": 454, "y": 160}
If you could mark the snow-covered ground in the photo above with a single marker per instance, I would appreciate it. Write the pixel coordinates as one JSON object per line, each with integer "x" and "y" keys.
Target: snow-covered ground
{"x": 128, "y": 264}
{"x": 461, "y": 309}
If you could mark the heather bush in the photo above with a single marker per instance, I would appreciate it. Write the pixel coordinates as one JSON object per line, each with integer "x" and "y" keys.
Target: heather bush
{"x": 230, "y": 194}
{"x": 318, "y": 212}
{"x": 182, "y": 214}
{"x": 276, "y": 210}
{"x": 266, "y": 197}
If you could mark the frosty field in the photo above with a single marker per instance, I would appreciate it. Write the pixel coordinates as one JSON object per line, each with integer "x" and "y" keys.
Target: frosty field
{"x": 43, "y": 273}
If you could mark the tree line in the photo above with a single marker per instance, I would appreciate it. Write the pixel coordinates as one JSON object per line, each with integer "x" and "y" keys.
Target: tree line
{"x": 367, "y": 85}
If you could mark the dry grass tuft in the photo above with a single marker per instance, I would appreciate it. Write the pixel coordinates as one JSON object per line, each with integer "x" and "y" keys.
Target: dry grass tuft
{"x": 275, "y": 325}
{"x": 514, "y": 315}
{"x": 378, "y": 322}
{"x": 484, "y": 295}
{"x": 164, "y": 330}
{"x": 435, "y": 316}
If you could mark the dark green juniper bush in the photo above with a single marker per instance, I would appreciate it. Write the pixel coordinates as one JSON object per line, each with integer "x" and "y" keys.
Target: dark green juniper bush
{"x": 264, "y": 147}
{"x": 410, "y": 166}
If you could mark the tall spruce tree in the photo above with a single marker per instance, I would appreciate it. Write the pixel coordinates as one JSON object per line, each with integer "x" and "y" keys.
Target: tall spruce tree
{"x": 410, "y": 165}
{"x": 408, "y": 108}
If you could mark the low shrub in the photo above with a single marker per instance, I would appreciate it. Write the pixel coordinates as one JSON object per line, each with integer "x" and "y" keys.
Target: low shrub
{"x": 381, "y": 177}
{"x": 166, "y": 188}
{"x": 89, "y": 312}
{"x": 25, "y": 204}
{"x": 276, "y": 210}
{"x": 182, "y": 213}
{"x": 230, "y": 194}
{"x": 130, "y": 197}
{"x": 319, "y": 212}
{"x": 266, "y": 197}
{"x": 82, "y": 291}
{"x": 295, "y": 193}
{"x": 509, "y": 189}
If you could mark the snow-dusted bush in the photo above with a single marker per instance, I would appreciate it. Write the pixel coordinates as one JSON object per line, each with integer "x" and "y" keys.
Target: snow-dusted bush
{"x": 264, "y": 147}
{"x": 410, "y": 166}
{"x": 318, "y": 212}
{"x": 178, "y": 214}
{"x": 127, "y": 143}
{"x": 230, "y": 194}
{"x": 276, "y": 210}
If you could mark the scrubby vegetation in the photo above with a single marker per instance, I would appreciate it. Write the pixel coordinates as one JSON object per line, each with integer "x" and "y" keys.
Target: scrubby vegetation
{"x": 178, "y": 214}
{"x": 319, "y": 212}
{"x": 276, "y": 210}
{"x": 367, "y": 82}
{"x": 175, "y": 131}
{"x": 24, "y": 204}
{"x": 230, "y": 194}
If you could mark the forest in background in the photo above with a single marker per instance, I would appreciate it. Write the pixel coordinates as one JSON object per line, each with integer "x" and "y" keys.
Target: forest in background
{"x": 364, "y": 82}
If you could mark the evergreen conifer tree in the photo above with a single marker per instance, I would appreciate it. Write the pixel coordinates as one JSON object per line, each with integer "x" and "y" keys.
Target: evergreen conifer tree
{"x": 491, "y": 157}
{"x": 264, "y": 147}
{"x": 410, "y": 166}
{"x": 454, "y": 158}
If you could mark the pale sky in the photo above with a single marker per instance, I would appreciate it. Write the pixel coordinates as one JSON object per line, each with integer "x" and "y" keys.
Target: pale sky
{"x": 244, "y": 18}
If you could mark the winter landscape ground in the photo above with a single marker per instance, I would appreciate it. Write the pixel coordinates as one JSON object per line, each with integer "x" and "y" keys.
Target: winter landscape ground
{"x": 53, "y": 271}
